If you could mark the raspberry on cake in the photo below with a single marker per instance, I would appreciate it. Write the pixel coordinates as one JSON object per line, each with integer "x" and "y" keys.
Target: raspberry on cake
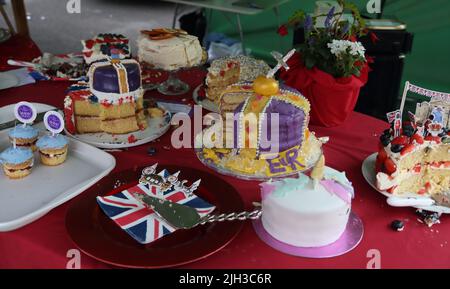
{"x": 230, "y": 70}
{"x": 111, "y": 102}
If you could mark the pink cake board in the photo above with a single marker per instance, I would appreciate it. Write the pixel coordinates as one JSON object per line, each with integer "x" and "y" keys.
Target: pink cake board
{"x": 347, "y": 242}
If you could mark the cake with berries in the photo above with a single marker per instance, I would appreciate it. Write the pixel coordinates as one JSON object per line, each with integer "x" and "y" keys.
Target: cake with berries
{"x": 169, "y": 49}
{"x": 414, "y": 159}
{"x": 111, "y": 102}
{"x": 99, "y": 47}
{"x": 267, "y": 135}
{"x": 307, "y": 211}
{"x": 230, "y": 70}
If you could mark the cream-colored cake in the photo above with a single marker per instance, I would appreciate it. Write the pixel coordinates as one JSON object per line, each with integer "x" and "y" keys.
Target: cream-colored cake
{"x": 169, "y": 49}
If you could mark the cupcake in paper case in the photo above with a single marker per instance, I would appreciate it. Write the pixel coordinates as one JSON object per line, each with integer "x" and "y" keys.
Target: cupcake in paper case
{"x": 17, "y": 162}
{"x": 52, "y": 149}
{"x": 25, "y": 136}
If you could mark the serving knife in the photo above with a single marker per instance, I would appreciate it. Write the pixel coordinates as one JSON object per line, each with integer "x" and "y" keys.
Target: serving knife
{"x": 12, "y": 123}
{"x": 439, "y": 199}
{"x": 185, "y": 217}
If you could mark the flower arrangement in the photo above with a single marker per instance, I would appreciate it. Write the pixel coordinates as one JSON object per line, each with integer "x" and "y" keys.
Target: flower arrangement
{"x": 332, "y": 48}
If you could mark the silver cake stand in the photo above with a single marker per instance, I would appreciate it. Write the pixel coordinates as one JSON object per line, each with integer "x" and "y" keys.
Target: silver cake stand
{"x": 173, "y": 85}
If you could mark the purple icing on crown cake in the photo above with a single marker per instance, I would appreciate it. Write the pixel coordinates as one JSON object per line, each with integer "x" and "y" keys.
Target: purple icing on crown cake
{"x": 106, "y": 79}
{"x": 291, "y": 121}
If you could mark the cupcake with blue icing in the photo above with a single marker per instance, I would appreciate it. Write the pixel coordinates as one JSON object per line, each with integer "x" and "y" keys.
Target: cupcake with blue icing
{"x": 52, "y": 149}
{"x": 24, "y": 136}
{"x": 17, "y": 162}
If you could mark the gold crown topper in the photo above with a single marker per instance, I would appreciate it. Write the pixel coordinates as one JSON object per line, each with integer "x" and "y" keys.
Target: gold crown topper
{"x": 149, "y": 177}
{"x": 163, "y": 33}
{"x": 267, "y": 85}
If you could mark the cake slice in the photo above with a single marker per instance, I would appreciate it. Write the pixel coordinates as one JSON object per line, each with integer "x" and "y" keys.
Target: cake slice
{"x": 412, "y": 163}
{"x": 169, "y": 49}
{"x": 230, "y": 70}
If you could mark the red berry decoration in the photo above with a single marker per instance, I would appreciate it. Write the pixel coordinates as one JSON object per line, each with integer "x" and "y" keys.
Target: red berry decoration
{"x": 89, "y": 43}
{"x": 400, "y": 140}
{"x": 390, "y": 166}
{"x": 417, "y": 168}
{"x": 407, "y": 149}
{"x": 382, "y": 155}
{"x": 433, "y": 138}
{"x": 427, "y": 186}
{"x": 418, "y": 138}
{"x": 422, "y": 191}
{"x": 88, "y": 53}
{"x": 378, "y": 166}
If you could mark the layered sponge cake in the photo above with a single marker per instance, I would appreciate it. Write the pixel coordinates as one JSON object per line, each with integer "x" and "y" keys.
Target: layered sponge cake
{"x": 230, "y": 70}
{"x": 413, "y": 162}
{"x": 111, "y": 102}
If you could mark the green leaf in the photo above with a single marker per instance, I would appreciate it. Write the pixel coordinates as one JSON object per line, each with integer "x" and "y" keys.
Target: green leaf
{"x": 310, "y": 62}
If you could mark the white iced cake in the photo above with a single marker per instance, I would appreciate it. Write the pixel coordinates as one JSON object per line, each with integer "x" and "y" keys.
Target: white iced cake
{"x": 169, "y": 49}
{"x": 307, "y": 212}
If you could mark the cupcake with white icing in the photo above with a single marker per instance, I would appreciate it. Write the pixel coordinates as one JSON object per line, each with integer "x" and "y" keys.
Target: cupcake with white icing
{"x": 17, "y": 162}
{"x": 52, "y": 149}
{"x": 24, "y": 135}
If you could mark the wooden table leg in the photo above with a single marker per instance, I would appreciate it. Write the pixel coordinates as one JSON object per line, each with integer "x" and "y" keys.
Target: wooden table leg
{"x": 5, "y": 16}
{"x": 20, "y": 17}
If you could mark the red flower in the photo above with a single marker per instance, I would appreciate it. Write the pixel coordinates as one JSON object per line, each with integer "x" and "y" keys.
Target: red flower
{"x": 352, "y": 38}
{"x": 282, "y": 30}
{"x": 373, "y": 37}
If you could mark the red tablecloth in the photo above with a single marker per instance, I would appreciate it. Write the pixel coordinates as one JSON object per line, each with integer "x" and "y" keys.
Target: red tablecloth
{"x": 18, "y": 48}
{"x": 44, "y": 243}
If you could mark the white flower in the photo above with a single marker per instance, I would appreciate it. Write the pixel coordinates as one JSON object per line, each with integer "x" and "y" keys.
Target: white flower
{"x": 340, "y": 47}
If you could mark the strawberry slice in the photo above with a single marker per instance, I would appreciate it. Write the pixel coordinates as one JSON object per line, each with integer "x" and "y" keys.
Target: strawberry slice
{"x": 400, "y": 140}
{"x": 391, "y": 190}
{"x": 382, "y": 155}
{"x": 433, "y": 138}
{"x": 418, "y": 138}
{"x": 378, "y": 166}
{"x": 390, "y": 166}
{"x": 407, "y": 149}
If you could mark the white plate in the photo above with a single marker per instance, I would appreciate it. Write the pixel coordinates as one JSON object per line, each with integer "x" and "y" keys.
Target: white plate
{"x": 205, "y": 103}
{"x": 156, "y": 128}
{"x": 368, "y": 171}
{"x": 8, "y": 80}
{"x": 25, "y": 200}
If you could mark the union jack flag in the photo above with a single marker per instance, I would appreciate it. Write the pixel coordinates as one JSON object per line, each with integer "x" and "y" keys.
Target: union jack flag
{"x": 140, "y": 221}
